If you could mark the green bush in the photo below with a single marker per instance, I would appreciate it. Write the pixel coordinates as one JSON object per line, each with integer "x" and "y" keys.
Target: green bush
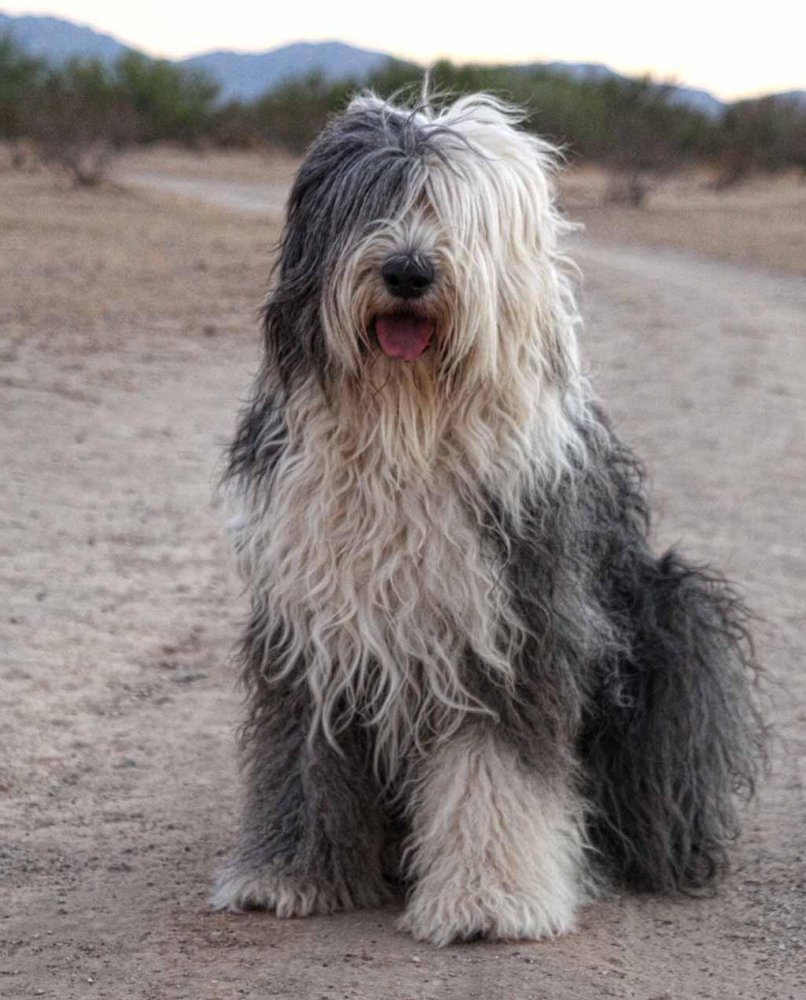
{"x": 170, "y": 102}
{"x": 767, "y": 134}
{"x": 19, "y": 77}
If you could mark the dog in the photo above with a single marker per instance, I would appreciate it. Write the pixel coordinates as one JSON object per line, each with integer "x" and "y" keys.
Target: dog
{"x": 465, "y": 669}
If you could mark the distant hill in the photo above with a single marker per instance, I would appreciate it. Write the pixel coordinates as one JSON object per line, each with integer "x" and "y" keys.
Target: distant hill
{"x": 246, "y": 75}
{"x": 56, "y": 41}
{"x": 687, "y": 97}
{"x": 595, "y": 72}
{"x": 697, "y": 100}
{"x": 798, "y": 96}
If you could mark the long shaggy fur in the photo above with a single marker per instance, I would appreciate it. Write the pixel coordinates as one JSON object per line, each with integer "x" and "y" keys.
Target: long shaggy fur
{"x": 449, "y": 567}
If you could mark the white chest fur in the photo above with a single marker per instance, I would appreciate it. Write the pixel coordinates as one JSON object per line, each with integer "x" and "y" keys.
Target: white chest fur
{"x": 372, "y": 567}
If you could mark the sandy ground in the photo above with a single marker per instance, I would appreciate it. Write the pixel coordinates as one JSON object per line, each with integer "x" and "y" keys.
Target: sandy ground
{"x": 128, "y": 338}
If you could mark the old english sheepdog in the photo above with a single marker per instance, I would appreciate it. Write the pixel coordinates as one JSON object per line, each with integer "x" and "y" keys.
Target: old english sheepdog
{"x": 465, "y": 668}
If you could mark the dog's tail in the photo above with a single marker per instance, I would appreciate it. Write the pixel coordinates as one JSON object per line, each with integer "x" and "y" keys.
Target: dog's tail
{"x": 674, "y": 734}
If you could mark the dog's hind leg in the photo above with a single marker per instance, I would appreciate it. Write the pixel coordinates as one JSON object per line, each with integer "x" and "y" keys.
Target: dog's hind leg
{"x": 495, "y": 850}
{"x": 312, "y": 830}
{"x": 674, "y": 733}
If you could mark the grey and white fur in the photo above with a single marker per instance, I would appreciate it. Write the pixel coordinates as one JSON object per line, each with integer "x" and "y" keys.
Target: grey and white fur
{"x": 460, "y": 641}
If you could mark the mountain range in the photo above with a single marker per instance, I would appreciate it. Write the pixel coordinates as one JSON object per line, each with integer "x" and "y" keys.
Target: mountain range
{"x": 246, "y": 75}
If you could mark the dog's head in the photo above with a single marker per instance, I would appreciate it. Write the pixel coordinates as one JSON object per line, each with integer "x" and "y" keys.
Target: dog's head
{"x": 421, "y": 246}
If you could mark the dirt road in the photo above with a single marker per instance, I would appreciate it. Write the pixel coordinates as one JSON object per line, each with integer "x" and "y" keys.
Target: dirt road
{"x": 128, "y": 339}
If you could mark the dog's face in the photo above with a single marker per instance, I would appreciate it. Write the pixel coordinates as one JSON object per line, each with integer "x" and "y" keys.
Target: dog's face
{"x": 422, "y": 246}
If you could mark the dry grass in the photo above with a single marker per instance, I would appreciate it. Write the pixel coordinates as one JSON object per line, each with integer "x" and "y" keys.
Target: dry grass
{"x": 758, "y": 224}
{"x": 250, "y": 167}
{"x": 96, "y": 260}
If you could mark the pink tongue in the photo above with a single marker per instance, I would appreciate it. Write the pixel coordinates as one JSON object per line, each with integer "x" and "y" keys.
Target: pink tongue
{"x": 403, "y": 337}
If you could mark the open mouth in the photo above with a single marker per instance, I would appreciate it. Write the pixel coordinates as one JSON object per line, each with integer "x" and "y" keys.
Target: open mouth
{"x": 403, "y": 335}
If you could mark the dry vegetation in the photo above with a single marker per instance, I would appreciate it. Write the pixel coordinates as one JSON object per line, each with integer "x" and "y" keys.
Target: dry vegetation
{"x": 101, "y": 266}
{"x": 760, "y": 223}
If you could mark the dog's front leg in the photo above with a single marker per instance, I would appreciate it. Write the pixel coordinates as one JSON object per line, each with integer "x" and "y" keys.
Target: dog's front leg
{"x": 312, "y": 829}
{"x": 496, "y": 849}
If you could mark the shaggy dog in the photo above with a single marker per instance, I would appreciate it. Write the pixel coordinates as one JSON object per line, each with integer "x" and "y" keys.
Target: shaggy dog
{"x": 460, "y": 641}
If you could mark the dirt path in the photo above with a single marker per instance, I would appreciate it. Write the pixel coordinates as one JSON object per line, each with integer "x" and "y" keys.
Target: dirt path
{"x": 120, "y": 372}
{"x": 265, "y": 199}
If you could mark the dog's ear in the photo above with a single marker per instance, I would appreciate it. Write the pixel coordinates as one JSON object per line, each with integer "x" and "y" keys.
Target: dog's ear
{"x": 293, "y": 337}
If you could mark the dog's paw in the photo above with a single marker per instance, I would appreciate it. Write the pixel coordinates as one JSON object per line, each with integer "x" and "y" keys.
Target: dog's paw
{"x": 459, "y": 914}
{"x": 288, "y": 895}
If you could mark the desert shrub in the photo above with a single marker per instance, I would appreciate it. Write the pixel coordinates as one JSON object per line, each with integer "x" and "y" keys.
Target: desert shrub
{"x": 19, "y": 77}
{"x": 291, "y": 115}
{"x": 768, "y": 134}
{"x": 80, "y": 114}
{"x": 78, "y": 119}
{"x": 642, "y": 136}
{"x": 236, "y": 126}
{"x": 170, "y": 102}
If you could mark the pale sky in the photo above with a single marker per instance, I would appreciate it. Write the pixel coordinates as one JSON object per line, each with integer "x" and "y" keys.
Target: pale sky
{"x": 723, "y": 46}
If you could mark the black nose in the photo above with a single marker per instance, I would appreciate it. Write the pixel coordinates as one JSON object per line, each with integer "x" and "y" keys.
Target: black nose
{"x": 408, "y": 275}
